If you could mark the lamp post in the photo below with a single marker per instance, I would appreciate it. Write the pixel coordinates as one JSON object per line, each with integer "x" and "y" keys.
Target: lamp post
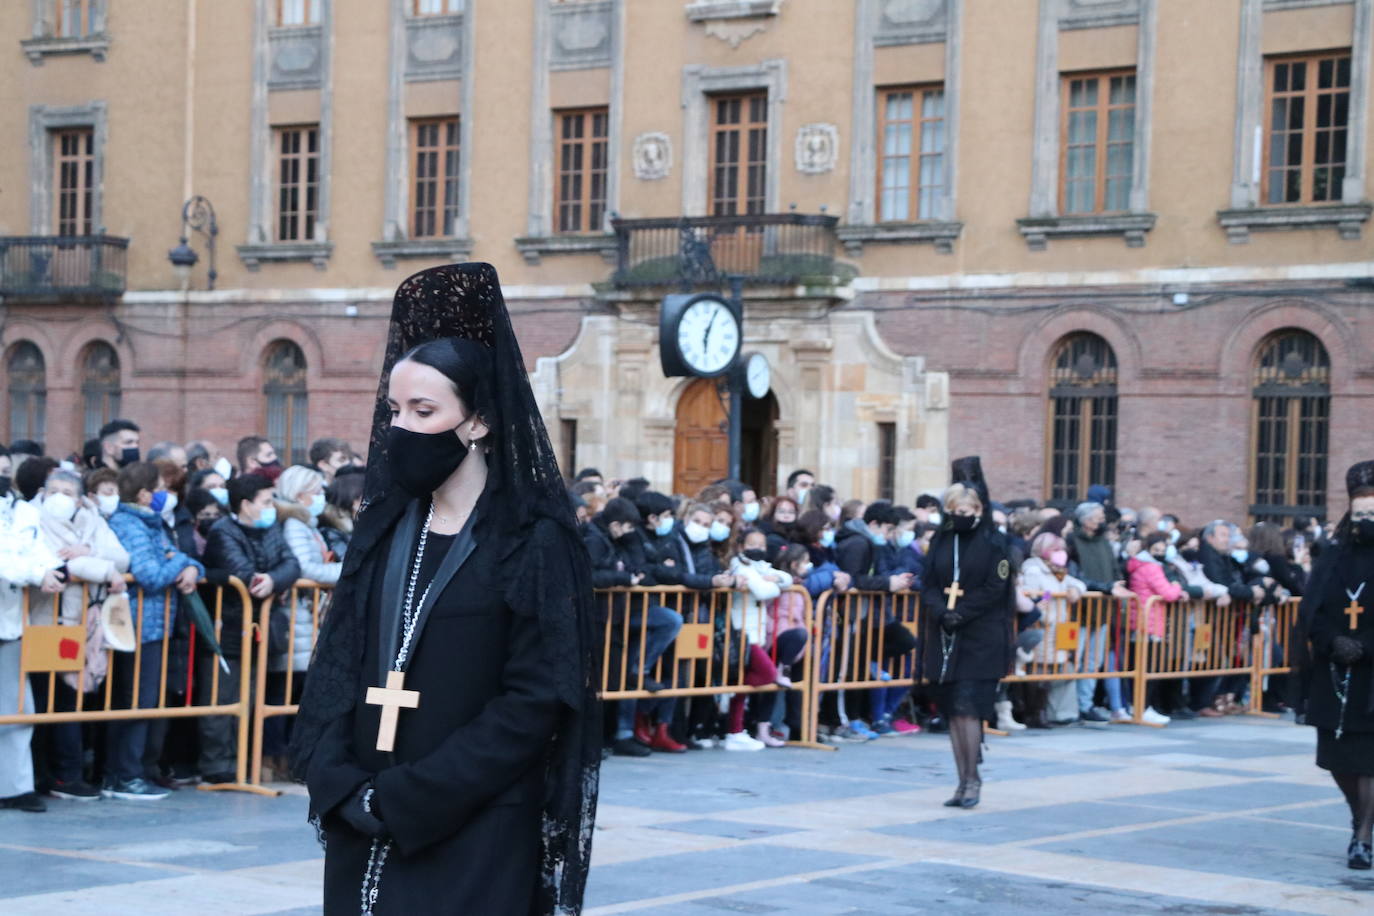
{"x": 197, "y": 215}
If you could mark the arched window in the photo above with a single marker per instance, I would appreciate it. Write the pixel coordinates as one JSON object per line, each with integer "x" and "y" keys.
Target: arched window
{"x": 284, "y": 387}
{"x": 1291, "y": 418}
{"x": 100, "y": 388}
{"x": 1082, "y": 428}
{"x": 28, "y": 392}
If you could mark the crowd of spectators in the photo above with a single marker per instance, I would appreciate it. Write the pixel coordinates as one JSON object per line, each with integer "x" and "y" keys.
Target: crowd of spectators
{"x": 171, "y": 526}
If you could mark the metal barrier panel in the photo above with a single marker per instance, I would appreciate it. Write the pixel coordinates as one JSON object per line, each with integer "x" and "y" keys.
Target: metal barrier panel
{"x": 1090, "y": 637}
{"x": 307, "y": 602}
{"x": 60, "y": 630}
{"x": 1199, "y": 639}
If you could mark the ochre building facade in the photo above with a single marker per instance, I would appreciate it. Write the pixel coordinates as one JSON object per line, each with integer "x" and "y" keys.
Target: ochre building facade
{"x": 1096, "y": 241}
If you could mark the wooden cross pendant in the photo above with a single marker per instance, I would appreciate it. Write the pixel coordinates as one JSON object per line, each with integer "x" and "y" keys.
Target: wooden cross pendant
{"x": 955, "y": 593}
{"x": 392, "y": 698}
{"x": 1353, "y": 612}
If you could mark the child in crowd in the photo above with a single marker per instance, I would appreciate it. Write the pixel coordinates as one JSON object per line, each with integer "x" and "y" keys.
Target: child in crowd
{"x": 757, "y": 583}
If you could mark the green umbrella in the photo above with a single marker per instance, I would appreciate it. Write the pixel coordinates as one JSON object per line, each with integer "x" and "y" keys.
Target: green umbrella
{"x": 205, "y": 626}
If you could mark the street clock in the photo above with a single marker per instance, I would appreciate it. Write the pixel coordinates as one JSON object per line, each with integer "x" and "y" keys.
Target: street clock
{"x": 698, "y": 335}
{"x": 757, "y": 375}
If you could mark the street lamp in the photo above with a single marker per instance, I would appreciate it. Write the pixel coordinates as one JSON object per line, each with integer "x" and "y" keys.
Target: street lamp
{"x": 196, "y": 215}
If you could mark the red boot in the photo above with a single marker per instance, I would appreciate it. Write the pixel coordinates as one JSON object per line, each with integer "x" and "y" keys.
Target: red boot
{"x": 662, "y": 741}
{"x": 643, "y": 731}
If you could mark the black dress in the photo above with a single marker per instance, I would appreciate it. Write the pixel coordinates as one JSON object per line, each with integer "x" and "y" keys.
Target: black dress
{"x": 1342, "y": 571}
{"x": 462, "y": 793}
{"x": 980, "y": 647}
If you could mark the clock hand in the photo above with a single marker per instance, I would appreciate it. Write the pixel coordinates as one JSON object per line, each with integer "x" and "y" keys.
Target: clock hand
{"x": 705, "y": 338}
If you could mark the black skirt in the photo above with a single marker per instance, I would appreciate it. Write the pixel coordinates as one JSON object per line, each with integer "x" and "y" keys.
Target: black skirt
{"x": 1353, "y": 753}
{"x": 967, "y": 698}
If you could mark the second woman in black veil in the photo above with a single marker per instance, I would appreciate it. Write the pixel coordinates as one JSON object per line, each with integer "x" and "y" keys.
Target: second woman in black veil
{"x": 449, "y": 735}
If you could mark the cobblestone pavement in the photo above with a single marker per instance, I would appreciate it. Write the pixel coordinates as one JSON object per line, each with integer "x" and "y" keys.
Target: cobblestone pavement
{"x": 1227, "y": 817}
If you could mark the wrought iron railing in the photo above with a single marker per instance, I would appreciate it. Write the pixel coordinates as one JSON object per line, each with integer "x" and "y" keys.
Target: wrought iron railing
{"x": 779, "y": 248}
{"x": 43, "y": 266}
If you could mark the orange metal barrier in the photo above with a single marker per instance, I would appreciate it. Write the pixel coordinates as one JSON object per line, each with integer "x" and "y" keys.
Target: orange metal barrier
{"x": 307, "y": 601}
{"x": 1088, "y": 638}
{"x": 54, "y": 643}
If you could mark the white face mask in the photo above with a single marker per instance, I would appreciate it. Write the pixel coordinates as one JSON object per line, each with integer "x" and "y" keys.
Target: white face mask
{"x": 933, "y": 518}
{"x": 223, "y": 468}
{"x": 108, "y": 503}
{"x": 59, "y": 506}
{"x": 696, "y": 533}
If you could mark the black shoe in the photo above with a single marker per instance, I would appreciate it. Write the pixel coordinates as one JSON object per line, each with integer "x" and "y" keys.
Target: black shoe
{"x": 971, "y": 794}
{"x": 217, "y": 779}
{"x": 1091, "y": 715}
{"x": 654, "y": 686}
{"x": 1359, "y": 856}
{"x": 30, "y": 801}
{"x": 1183, "y": 712}
{"x": 629, "y": 747}
{"x": 76, "y": 790}
{"x": 957, "y": 800}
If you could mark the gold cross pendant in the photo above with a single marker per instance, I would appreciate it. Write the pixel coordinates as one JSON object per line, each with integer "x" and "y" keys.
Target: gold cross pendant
{"x": 1353, "y": 612}
{"x": 955, "y": 593}
{"x": 392, "y": 698}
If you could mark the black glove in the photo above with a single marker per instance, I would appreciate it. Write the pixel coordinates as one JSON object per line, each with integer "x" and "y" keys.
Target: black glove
{"x": 1345, "y": 650}
{"x": 951, "y": 621}
{"x": 367, "y": 823}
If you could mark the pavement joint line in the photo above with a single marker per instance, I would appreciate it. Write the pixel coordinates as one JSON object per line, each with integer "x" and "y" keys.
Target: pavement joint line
{"x": 93, "y": 856}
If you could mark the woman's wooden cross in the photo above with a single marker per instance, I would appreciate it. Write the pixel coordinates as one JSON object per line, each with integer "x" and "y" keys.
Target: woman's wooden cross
{"x": 392, "y": 698}
{"x": 1353, "y": 612}
{"x": 955, "y": 593}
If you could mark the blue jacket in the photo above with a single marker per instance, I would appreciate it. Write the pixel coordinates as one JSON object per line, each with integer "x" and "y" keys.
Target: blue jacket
{"x": 154, "y": 562}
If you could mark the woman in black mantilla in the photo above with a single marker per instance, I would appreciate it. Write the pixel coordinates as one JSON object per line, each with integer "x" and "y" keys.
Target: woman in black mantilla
{"x": 1337, "y": 617}
{"x": 449, "y": 734}
{"x": 968, "y": 607}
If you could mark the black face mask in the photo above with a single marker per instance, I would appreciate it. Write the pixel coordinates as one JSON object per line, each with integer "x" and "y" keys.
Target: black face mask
{"x": 963, "y": 523}
{"x": 127, "y": 457}
{"x": 420, "y": 462}
{"x": 756, "y": 554}
{"x": 1189, "y": 554}
{"x": 4, "y": 484}
{"x": 1363, "y": 531}
{"x": 204, "y": 525}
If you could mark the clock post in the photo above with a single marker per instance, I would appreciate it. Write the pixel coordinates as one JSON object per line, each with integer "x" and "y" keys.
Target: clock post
{"x": 736, "y": 381}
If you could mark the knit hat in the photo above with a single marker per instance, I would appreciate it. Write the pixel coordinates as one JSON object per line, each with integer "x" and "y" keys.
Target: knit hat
{"x": 1359, "y": 477}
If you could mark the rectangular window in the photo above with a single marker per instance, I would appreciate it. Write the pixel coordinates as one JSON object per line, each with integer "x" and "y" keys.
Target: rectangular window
{"x": 1309, "y": 114}
{"x": 911, "y": 152}
{"x": 74, "y": 174}
{"x": 434, "y": 161}
{"x": 435, "y": 7}
{"x": 1097, "y": 142}
{"x": 580, "y": 200}
{"x": 887, "y": 460}
{"x": 739, "y": 154}
{"x": 73, "y": 18}
{"x": 298, "y": 182}
{"x": 298, "y": 12}
{"x": 569, "y": 428}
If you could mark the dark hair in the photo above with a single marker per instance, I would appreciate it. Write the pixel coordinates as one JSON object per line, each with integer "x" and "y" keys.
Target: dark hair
{"x": 26, "y": 447}
{"x": 820, "y": 495}
{"x": 902, "y": 514}
{"x": 631, "y": 488}
{"x": 468, "y": 367}
{"x": 196, "y": 451}
{"x": 117, "y": 426}
{"x": 620, "y": 509}
{"x": 810, "y": 525}
{"x": 790, "y": 554}
{"x": 199, "y": 499}
{"x": 173, "y": 476}
{"x": 583, "y": 487}
{"x": 345, "y": 491}
{"x": 197, "y": 479}
{"x": 247, "y": 448}
{"x": 792, "y": 478}
{"x": 98, "y": 476}
{"x": 927, "y": 501}
{"x": 850, "y": 509}
{"x": 246, "y": 487}
{"x": 1155, "y": 537}
{"x": 321, "y": 449}
{"x": 31, "y": 476}
{"x": 1266, "y": 539}
{"x": 141, "y": 475}
{"x": 91, "y": 454}
{"x": 587, "y": 472}
{"x": 651, "y": 502}
{"x": 880, "y": 512}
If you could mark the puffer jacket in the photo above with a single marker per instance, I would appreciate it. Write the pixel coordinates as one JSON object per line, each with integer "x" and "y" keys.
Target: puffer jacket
{"x": 233, "y": 549}
{"x": 107, "y": 557}
{"x": 1037, "y": 579}
{"x": 309, "y": 549}
{"x": 24, "y": 559}
{"x": 1147, "y": 580}
{"x": 155, "y": 564}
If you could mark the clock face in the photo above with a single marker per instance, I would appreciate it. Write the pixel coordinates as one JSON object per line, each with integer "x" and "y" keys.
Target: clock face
{"x": 757, "y": 375}
{"x": 708, "y": 336}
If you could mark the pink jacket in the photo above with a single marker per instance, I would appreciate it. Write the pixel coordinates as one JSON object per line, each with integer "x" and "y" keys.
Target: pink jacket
{"x": 1147, "y": 579}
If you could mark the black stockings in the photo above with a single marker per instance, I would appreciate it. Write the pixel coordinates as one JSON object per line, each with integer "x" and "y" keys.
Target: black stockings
{"x": 966, "y": 737}
{"x": 1359, "y": 795}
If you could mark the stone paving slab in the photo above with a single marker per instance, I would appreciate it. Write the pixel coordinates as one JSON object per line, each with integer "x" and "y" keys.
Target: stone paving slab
{"x": 1218, "y": 817}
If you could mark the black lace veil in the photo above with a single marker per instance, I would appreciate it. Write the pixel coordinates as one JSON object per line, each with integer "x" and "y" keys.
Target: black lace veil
{"x": 545, "y": 562}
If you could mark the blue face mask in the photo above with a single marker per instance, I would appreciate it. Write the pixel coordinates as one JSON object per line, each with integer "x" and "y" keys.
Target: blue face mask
{"x": 828, "y": 538}
{"x": 1170, "y": 553}
{"x": 664, "y": 527}
{"x": 159, "y": 501}
{"x": 221, "y": 495}
{"x": 719, "y": 531}
{"x": 267, "y": 519}
{"x": 877, "y": 539}
{"x": 751, "y": 512}
{"x": 317, "y": 505}
{"x": 906, "y": 538}
{"x": 1240, "y": 556}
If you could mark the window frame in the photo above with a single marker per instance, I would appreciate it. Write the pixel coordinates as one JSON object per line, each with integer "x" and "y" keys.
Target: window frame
{"x": 312, "y": 14}
{"x": 887, "y": 460}
{"x": 294, "y": 395}
{"x": 61, "y": 15}
{"x": 445, "y": 210}
{"x": 82, "y": 194}
{"x": 1281, "y": 399}
{"x": 1307, "y": 167}
{"x": 1102, "y": 142}
{"x": 451, "y": 8}
{"x": 109, "y": 390}
{"x": 305, "y": 215}
{"x": 590, "y": 207}
{"x": 748, "y": 171}
{"x": 919, "y": 92}
{"x": 1097, "y": 410}
{"x": 35, "y": 397}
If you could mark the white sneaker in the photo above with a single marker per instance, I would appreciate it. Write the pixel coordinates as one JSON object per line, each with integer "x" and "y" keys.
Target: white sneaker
{"x": 1151, "y": 717}
{"x": 1121, "y": 717}
{"x": 1005, "y": 720}
{"x": 740, "y": 741}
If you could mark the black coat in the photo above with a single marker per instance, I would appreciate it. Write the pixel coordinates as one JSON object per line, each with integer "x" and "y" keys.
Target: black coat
{"x": 983, "y": 639}
{"x": 1339, "y": 573}
{"x": 232, "y": 549}
{"x": 1222, "y": 570}
{"x": 854, "y": 553}
{"x": 463, "y": 791}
